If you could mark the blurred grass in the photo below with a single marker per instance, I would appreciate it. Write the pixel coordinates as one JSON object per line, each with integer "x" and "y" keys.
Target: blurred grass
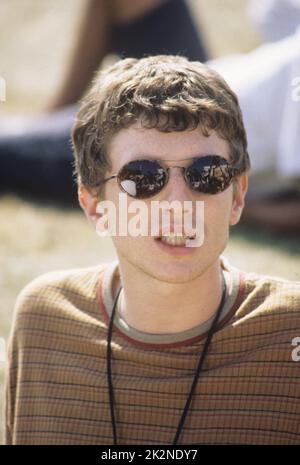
{"x": 35, "y": 39}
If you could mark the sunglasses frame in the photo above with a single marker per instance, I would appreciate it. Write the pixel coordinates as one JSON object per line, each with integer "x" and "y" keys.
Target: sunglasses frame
{"x": 219, "y": 161}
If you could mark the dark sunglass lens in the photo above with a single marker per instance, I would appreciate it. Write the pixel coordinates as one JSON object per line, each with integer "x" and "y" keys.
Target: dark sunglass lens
{"x": 142, "y": 178}
{"x": 210, "y": 174}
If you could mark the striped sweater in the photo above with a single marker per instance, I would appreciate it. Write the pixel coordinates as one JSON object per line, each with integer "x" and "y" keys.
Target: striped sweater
{"x": 56, "y": 389}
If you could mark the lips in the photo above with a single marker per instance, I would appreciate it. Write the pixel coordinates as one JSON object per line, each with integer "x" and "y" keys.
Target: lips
{"x": 174, "y": 238}
{"x": 175, "y": 233}
{"x": 172, "y": 246}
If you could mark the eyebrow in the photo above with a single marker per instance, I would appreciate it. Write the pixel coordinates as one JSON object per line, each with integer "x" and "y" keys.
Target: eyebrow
{"x": 150, "y": 157}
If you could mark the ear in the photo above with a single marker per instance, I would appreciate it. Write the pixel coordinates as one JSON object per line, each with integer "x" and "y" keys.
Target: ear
{"x": 240, "y": 190}
{"x": 88, "y": 202}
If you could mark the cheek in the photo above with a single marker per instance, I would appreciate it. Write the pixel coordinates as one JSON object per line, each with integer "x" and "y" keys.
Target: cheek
{"x": 132, "y": 224}
{"x": 134, "y": 249}
{"x": 217, "y": 211}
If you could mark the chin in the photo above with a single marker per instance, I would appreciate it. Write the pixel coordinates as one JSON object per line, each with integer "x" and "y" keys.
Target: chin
{"x": 163, "y": 265}
{"x": 173, "y": 272}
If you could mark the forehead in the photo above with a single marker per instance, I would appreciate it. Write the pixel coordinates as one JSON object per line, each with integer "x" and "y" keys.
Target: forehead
{"x": 136, "y": 142}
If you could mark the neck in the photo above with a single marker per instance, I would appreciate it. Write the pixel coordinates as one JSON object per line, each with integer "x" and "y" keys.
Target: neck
{"x": 158, "y": 307}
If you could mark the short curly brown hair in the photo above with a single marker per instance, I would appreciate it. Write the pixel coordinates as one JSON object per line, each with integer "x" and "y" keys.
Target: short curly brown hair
{"x": 165, "y": 92}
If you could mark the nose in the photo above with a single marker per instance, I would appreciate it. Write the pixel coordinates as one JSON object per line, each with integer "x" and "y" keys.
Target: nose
{"x": 176, "y": 188}
{"x": 177, "y": 193}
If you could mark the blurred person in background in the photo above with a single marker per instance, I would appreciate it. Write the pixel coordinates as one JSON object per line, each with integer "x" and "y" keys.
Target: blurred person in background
{"x": 267, "y": 82}
{"x": 275, "y": 19}
{"x": 35, "y": 153}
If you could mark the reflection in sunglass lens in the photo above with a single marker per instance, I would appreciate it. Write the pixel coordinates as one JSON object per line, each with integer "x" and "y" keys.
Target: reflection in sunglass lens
{"x": 211, "y": 174}
{"x": 142, "y": 178}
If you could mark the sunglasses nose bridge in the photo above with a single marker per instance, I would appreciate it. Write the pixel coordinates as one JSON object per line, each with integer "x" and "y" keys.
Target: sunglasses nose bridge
{"x": 180, "y": 184}
{"x": 182, "y": 168}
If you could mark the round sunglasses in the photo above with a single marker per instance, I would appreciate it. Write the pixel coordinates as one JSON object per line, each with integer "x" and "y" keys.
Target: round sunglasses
{"x": 145, "y": 178}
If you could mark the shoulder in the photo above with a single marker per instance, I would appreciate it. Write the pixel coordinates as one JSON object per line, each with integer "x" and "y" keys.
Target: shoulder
{"x": 264, "y": 292}
{"x": 58, "y": 293}
{"x": 269, "y": 297}
{"x": 273, "y": 289}
{"x": 62, "y": 282}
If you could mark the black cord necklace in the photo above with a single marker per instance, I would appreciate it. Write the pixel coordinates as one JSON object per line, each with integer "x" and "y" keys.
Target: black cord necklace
{"x": 197, "y": 374}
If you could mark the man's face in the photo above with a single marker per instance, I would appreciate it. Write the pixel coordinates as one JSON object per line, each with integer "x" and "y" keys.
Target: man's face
{"x": 220, "y": 210}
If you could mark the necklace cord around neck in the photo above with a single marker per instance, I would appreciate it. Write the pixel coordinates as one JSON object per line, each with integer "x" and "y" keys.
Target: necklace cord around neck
{"x": 109, "y": 376}
{"x": 196, "y": 377}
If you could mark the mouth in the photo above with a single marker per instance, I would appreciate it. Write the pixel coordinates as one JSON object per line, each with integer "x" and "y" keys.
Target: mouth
{"x": 175, "y": 239}
{"x": 176, "y": 244}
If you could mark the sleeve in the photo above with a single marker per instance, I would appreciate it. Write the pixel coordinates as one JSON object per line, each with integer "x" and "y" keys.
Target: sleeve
{"x": 42, "y": 295}
{"x": 13, "y": 368}
{"x": 10, "y": 387}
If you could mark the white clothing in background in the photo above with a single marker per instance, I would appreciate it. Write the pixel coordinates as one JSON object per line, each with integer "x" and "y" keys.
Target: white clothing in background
{"x": 267, "y": 83}
{"x": 275, "y": 19}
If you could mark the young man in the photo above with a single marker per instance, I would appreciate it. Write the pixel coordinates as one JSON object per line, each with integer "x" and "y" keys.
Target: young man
{"x": 170, "y": 344}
